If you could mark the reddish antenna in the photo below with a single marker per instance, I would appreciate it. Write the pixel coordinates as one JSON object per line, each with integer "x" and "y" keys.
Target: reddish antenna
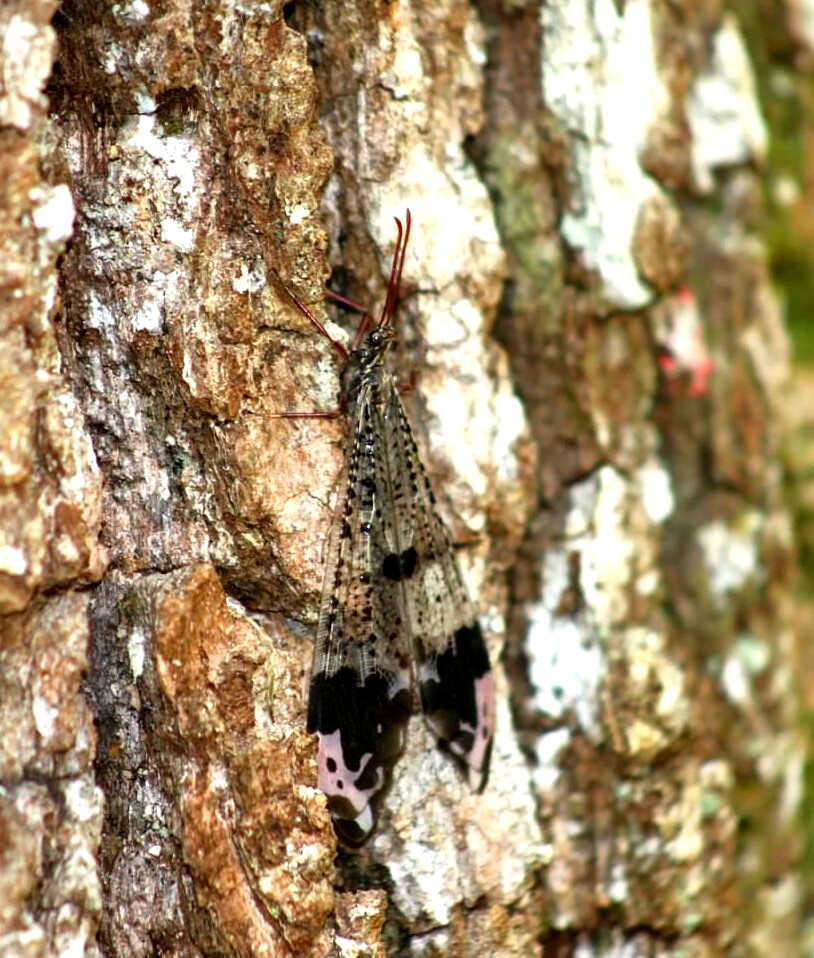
{"x": 390, "y": 300}
{"x": 394, "y": 285}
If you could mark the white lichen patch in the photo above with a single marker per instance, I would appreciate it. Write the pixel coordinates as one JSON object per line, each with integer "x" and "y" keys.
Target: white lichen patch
{"x": 565, "y": 658}
{"x": 46, "y": 717}
{"x": 656, "y": 491}
{"x": 611, "y": 551}
{"x": 177, "y": 235}
{"x": 723, "y": 110}
{"x": 154, "y": 298}
{"x": 607, "y": 554}
{"x": 251, "y": 280}
{"x": 425, "y": 874}
{"x": 510, "y": 419}
{"x": 178, "y": 155}
{"x": 136, "y": 652}
{"x": 617, "y": 890}
{"x": 549, "y": 749}
{"x": 297, "y": 213}
{"x": 405, "y": 75}
{"x": 54, "y": 212}
{"x": 112, "y": 57}
{"x": 98, "y": 314}
{"x": 600, "y": 81}
{"x": 731, "y": 553}
{"x": 84, "y": 801}
{"x": 26, "y": 57}
{"x": 137, "y": 11}
{"x": 747, "y": 659}
{"x": 564, "y": 654}
{"x": 452, "y": 411}
{"x": 148, "y": 316}
{"x": 13, "y": 560}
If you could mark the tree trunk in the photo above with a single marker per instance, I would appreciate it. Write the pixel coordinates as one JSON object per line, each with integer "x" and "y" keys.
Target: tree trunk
{"x": 600, "y": 391}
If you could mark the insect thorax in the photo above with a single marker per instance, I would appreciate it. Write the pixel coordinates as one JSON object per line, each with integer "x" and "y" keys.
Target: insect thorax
{"x": 366, "y": 370}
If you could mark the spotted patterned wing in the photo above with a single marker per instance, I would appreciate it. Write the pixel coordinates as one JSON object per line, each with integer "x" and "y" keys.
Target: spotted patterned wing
{"x": 451, "y": 663}
{"x": 360, "y": 697}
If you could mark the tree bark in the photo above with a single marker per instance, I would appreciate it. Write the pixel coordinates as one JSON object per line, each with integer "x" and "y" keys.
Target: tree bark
{"x": 600, "y": 398}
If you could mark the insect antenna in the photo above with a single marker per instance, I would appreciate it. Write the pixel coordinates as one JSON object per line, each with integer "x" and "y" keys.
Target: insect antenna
{"x": 394, "y": 285}
{"x": 390, "y": 301}
{"x": 340, "y": 347}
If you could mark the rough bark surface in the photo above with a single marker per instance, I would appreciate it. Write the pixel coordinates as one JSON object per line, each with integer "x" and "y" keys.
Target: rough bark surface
{"x": 600, "y": 399}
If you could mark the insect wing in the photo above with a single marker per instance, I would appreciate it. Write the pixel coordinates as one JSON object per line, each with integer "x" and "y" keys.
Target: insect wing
{"x": 394, "y": 611}
{"x": 360, "y": 697}
{"x": 451, "y": 663}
